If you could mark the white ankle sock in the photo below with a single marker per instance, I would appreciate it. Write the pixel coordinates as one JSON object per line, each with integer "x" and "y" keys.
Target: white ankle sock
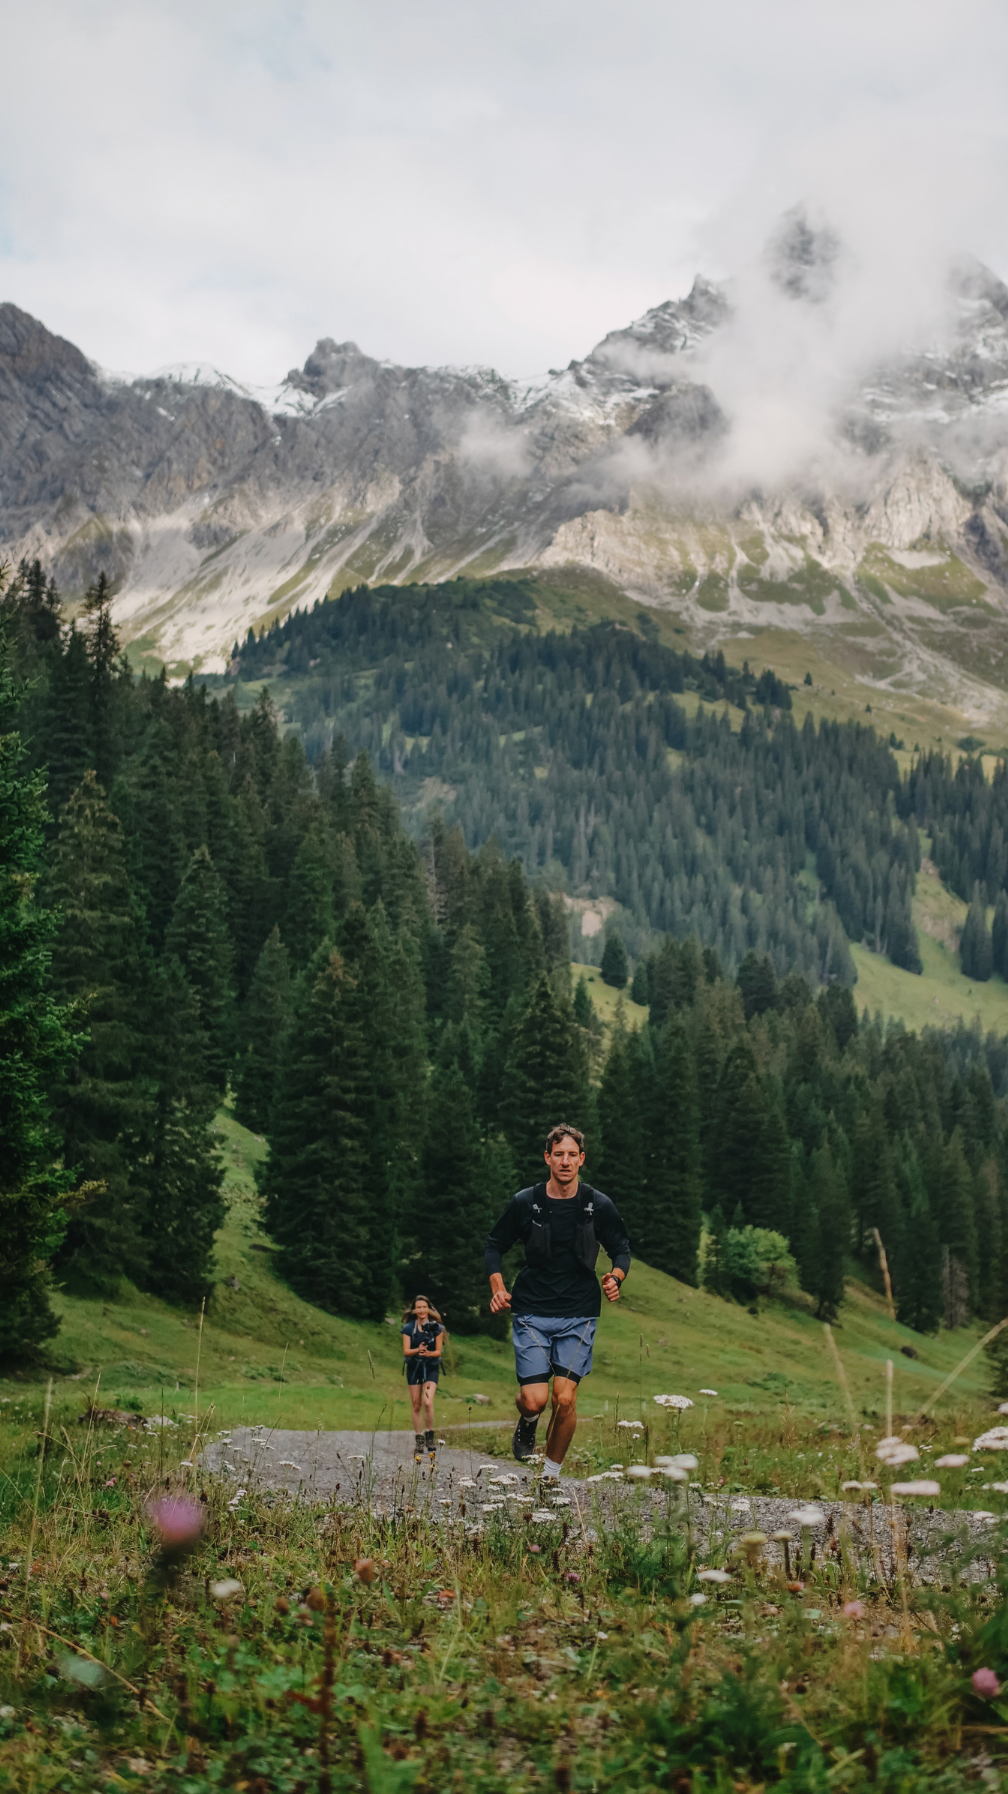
{"x": 549, "y": 1468}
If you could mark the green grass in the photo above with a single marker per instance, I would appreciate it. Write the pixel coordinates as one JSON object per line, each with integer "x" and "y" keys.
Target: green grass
{"x": 941, "y": 996}
{"x": 605, "y": 1000}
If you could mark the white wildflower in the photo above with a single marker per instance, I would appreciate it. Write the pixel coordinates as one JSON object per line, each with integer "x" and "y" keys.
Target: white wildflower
{"x": 1000, "y": 1488}
{"x": 467, "y": 1482}
{"x": 894, "y": 1452}
{"x": 682, "y": 1460}
{"x": 713, "y": 1576}
{"x": 560, "y": 1500}
{"x": 708, "y": 1392}
{"x": 681, "y": 1402}
{"x": 289, "y": 1464}
{"x": 674, "y": 1473}
{"x": 923, "y": 1487}
{"x": 994, "y": 1440}
{"x": 697, "y": 1600}
{"x": 226, "y": 1590}
{"x": 636, "y": 1426}
{"x": 541, "y": 1514}
{"x": 640, "y": 1471}
{"x": 953, "y": 1460}
{"x": 807, "y": 1515}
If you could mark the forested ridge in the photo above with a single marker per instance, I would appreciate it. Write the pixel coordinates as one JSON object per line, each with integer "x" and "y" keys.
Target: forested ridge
{"x": 190, "y": 905}
{"x": 573, "y": 750}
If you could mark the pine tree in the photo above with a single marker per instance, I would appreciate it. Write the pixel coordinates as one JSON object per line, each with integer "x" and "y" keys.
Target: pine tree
{"x": 617, "y": 1166}
{"x": 183, "y": 1172}
{"x": 198, "y": 937}
{"x": 316, "y": 1179}
{"x": 35, "y": 1044}
{"x": 584, "y": 1009}
{"x": 757, "y": 982}
{"x": 69, "y": 733}
{"x": 829, "y": 1202}
{"x": 545, "y": 1079}
{"x": 999, "y": 935}
{"x": 640, "y": 989}
{"x": 265, "y": 1021}
{"x": 976, "y": 952}
{"x": 100, "y": 1105}
{"x": 671, "y": 1133}
{"x": 614, "y": 962}
{"x": 103, "y": 652}
{"x": 465, "y": 1183}
{"x": 310, "y": 914}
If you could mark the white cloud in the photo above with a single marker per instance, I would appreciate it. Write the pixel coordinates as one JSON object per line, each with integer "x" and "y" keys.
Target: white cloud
{"x": 449, "y": 182}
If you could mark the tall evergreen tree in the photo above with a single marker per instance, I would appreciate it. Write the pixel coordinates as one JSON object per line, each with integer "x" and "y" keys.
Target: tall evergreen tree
{"x": 198, "y": 937}
{"x": 103, "y": 654}
{"x": 828, "y": 1198}
{"x": 545, "y": 1079}
{"x": 183, "y": 1172}
{"x": 316, "y": 1179}
{"x": 671, "y": 1128}
{"x": 976, "y": 952}
{"x": 617, "y": 1164}
{"x": 264, "y": 1026}
{"x": 35, "y": 1044}
{"x": 101, "y": 1104}
{"x": 999, "y": 935}
{"x": 465, "y": 1183}
{"x": 614, "y": 962}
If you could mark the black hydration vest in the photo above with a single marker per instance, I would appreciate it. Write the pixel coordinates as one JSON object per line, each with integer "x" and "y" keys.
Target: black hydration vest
{"x": 539, "y": 1241}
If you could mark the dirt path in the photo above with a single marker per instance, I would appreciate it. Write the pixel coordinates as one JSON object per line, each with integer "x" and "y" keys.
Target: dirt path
{"x": 378, "y": 1470}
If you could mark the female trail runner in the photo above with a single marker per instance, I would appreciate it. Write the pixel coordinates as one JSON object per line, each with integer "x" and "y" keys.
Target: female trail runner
{"x": 422, "y": 1339}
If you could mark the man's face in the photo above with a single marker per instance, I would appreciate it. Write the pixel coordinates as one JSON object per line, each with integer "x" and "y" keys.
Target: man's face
{"x": 564, "y": 1159}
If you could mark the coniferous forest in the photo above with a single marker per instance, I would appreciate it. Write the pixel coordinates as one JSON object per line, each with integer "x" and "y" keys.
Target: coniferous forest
{"x": 194, "y": 901}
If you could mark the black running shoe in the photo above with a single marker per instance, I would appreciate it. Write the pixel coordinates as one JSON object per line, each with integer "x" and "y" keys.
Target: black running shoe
{"x": 431, "y": 1443}
{"x": 524, "y": 1442}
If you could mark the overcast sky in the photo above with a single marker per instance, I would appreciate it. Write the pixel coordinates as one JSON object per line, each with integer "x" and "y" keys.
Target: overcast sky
{"x": 446, "y": 180}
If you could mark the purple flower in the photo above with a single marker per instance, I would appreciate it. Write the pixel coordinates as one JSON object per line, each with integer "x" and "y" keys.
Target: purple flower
{"x": 572, "y": 1576}
{"x": 178, "y": 1519}
{"x": 986, "y": 1684}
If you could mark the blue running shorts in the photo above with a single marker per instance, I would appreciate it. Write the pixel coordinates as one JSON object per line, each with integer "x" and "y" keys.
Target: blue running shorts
{"x": 546, "y": 1346}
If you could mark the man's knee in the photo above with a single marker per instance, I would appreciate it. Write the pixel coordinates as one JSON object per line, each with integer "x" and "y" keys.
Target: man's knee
{"x": 532, "y": 1397}
{"x": 565, "y": 1399}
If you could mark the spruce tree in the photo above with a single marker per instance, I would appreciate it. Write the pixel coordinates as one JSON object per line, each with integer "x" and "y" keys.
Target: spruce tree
{"x": 35, "y": 1045}
{"x": 545, "y": 1079}
{"x": 101, "y": 1103}
{"x": 671, "y": 1141}
{"x": 69, "y": 735}
{"x": 614, "y": 962}
{"x": 829, "y": 1202}
{"x": 976, "y": 952}
{"x": 617, "y": 1165}
{"x": 999, "y": 935}
{"x": 316, "y": 1180}
{"x": 199, "y": 938}
{"x": 103, "y": 653}
{"x": 310, "y": 914}
{"x": 640, "y": 989}
{"x": 583, "y": 1007}
{"x": 183, "y": 1172}
{"x": 265, "y": 1021}
{"x": 465, "y": 1183}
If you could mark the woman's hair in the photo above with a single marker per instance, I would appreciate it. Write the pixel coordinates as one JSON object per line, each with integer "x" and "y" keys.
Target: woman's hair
{"x": 410, "y": 1314}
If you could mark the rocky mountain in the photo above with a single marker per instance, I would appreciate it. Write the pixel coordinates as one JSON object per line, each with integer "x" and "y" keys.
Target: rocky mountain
{"x": 213, "y": 506}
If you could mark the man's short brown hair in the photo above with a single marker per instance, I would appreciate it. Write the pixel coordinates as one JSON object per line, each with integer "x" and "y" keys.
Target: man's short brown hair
{"x": 558, "y": 1132}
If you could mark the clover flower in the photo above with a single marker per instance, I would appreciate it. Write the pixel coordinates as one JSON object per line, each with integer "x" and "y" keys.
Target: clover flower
{"x": 986, "y": 1684}
{"x": 853, "y": 1610}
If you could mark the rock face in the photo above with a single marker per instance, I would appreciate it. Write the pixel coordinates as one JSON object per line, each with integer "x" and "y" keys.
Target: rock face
{"x": 213, "y": 506}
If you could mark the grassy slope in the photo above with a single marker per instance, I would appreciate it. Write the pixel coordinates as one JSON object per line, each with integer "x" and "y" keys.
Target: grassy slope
{"x": 662, "y": 1337}
{"x": 605, "y": 1000}
{"x": 941, "y": 996}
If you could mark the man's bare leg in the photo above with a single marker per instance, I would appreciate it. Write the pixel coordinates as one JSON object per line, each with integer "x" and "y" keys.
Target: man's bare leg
{"x": 531, "y": 1399}
{"x": 563, "y": 1419}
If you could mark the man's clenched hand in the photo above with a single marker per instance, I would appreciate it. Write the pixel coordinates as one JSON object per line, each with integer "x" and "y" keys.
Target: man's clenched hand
{"x": 499, "y": 1296}
{"x": 610, "y": 1286}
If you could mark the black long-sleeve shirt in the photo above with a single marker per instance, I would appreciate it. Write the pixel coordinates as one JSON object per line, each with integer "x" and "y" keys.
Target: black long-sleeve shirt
{"x": 562, "y": 1288}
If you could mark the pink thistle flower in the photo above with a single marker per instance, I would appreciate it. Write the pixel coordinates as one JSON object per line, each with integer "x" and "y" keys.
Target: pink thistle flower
{"x": 986, "y": 1684}
{"x": 853, "y": 1610}
{"x": 178, "y": 1519}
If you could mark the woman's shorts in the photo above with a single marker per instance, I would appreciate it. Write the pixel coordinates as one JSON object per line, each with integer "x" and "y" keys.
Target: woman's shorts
{"x": 422, "y": 1371}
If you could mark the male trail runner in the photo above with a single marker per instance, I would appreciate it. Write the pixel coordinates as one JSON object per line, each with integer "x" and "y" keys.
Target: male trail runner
{"x": 555, "y": 1301}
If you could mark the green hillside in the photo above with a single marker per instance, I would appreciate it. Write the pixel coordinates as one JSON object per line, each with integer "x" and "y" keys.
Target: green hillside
{"x": 266, "y": 1356}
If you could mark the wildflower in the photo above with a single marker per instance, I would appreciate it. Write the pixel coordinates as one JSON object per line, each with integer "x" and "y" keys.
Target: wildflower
{"x": 708, "y": 1392}
{"x": 1003, "y": 1407}
{"x": 540, "y": 1515}
{"x": 894, "y": 1452}
{"x": 752, "y": 1544}
{"x": 636, "y": 1426}
{"x": 572, "y": 1576}
{"x": 697, "y": 1600}
{"x": 288, "y": 1464}
{"x": 986, "y": 1684}
{"x": 225, "y": 1590}
{"x": 281, "y": 1605}
{"x": 853, "y": 1610}
{"x": 994, "y": 1440}
{"x": 683, "y": 1460}
{"x": 953, "y": 1460}
{"x": 1000, "y": 1488}
{"x": 674, "y": 1473}
{"x": 535, "y": 1549}
{"x": 923, "y": 1487}
{"x": 640, "y": 1471}
{"x": 179, "y": 1520}
{"x": 807, "y": 1515}
{"x": 364, "y": 1569}
{"x": 713, "y": 1576}
{"x": 682, "y": 1402}
{"x": 315, "y": 1599}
